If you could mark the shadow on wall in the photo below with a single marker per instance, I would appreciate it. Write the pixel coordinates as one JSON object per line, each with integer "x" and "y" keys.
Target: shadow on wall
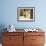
{"x": 2, "y": 26}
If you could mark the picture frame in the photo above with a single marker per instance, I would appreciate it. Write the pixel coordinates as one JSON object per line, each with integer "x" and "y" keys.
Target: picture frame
{"x": 26, "y": 14}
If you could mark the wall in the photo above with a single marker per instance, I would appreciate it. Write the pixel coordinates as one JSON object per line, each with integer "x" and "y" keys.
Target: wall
{"x": 9, "y": 13}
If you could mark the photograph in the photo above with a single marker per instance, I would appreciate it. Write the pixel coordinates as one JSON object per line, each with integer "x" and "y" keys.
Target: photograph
{"x": 22, "y": 23}
{"x": 25, "y": 14}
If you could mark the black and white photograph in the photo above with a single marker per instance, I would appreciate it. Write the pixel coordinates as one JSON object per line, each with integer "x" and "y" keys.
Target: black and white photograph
{"x": 26, "y": 14}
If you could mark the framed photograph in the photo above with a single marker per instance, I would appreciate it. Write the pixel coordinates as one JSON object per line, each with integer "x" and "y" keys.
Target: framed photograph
{"x": 26, "y": 14}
